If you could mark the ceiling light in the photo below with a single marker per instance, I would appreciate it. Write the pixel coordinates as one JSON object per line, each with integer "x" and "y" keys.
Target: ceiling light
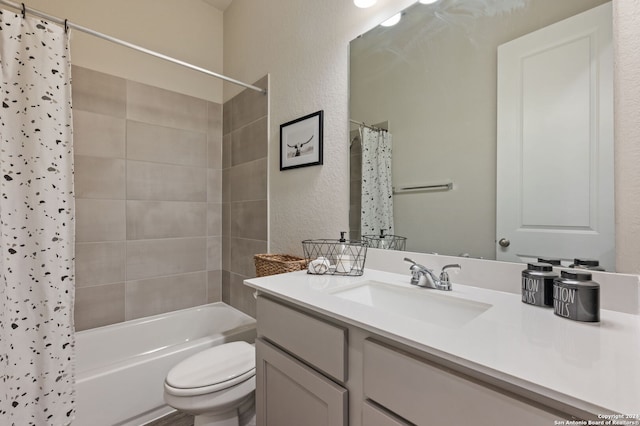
{"x": 428, "y": 1}
{"x": 392, "y": 21}
{"x": 364, "y": 3}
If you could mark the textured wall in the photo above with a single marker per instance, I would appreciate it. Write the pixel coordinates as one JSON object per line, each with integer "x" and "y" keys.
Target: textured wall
{"x": 627, "y": 128}
{"x": 189, "y": 30}
{"x": 303, "y": 44}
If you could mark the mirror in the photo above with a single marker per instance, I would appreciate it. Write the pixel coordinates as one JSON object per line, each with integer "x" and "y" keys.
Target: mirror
{"x": 432, "y": 81}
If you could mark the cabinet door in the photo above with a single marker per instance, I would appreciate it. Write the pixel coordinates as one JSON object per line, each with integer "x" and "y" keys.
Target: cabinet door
{"x": 288, "y": 393}
{"x": 374, "y": 416}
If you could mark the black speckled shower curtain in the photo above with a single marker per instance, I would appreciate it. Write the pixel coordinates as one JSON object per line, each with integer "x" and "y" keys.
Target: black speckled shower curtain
{"x": 377, "y": 186}
{"x": 36, "y": 224}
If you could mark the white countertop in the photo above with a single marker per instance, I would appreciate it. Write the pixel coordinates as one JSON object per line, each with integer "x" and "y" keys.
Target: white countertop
{"x": 591, "y": 366}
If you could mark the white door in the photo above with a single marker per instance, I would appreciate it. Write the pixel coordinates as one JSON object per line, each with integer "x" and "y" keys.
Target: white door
{"x": 555, "y": 142}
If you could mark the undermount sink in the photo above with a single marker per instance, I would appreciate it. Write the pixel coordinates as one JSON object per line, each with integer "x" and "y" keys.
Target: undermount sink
{"x": 418, "y": 303}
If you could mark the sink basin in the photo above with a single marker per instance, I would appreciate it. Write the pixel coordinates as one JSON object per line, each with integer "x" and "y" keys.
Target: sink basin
{"x": 418, "y": 303}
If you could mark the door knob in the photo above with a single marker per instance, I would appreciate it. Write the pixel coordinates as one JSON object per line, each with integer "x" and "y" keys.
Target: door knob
{"x": 504, "y": 242}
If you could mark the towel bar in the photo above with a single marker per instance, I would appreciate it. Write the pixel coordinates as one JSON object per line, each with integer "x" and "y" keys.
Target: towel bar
{"x": 415, "y": 188}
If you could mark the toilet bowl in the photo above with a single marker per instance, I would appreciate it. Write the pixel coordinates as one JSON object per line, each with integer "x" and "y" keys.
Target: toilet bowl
{"x": 216, "y": 385}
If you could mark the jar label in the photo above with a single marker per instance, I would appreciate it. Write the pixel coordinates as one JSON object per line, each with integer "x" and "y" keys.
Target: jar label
{"x": 537, "y": 290}
{"x": 530, "y": 287}
{"x": 562, "y": 299}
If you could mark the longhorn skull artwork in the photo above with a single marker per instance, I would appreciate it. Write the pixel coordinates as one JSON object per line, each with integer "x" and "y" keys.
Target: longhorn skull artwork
{"x": 296, "y": 150}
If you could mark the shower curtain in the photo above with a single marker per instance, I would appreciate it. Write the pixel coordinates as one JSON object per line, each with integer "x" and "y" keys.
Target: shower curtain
{"x": 36, "y": 224}
{"x": 377, "y": 189}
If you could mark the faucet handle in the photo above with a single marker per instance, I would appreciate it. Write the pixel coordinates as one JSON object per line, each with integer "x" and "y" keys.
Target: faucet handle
{"x": 451, "y": 265}
{"x": 444, "y": 275}
{"x": 414, "y": 265}
{"x": 406, "y": 259}
{"x": 417, "y": 272}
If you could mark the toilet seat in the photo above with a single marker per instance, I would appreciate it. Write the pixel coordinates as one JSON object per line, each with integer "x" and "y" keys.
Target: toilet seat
{"x": 212, "y": 370}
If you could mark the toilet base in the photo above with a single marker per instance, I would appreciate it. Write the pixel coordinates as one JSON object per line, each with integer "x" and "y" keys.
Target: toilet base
{"x": 241, "y": 416}
{"x": 247, "y": 413}
{"x": 223, "y": 419}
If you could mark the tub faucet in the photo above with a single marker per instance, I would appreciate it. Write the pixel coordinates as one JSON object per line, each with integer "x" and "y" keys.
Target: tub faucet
{"x": 424, "y": 277}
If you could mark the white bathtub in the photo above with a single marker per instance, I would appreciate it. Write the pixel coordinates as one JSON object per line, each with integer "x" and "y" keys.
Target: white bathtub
{"x": 120, "y": 368}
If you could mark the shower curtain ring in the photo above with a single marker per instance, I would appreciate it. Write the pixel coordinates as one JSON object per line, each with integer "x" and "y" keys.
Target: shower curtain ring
{"x": 24, "y": 11}
{"x": 66, "y": 25}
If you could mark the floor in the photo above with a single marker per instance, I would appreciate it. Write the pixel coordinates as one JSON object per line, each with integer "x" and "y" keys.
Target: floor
{"x": 180, "y": 419}
{"x": 173, "y": 419}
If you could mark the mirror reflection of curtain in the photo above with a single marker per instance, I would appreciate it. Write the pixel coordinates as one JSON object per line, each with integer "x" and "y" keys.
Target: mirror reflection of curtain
{"x": 37, "y": 224}
{"x": 355, "y": 183}
{"x": 377, "y": 187}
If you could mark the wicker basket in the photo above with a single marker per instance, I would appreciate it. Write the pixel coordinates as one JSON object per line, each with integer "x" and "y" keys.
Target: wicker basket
{"x": 272, "y": 264}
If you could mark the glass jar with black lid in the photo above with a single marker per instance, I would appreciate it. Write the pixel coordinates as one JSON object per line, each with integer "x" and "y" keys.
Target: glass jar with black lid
{"x": 537, "y": 284}
{"x": 576, "y": 296}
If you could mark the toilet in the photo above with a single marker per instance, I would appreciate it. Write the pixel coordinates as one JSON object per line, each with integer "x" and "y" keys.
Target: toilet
{"x": 217, "y": 385}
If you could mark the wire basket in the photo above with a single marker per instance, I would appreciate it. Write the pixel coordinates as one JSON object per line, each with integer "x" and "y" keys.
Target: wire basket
{"x": 335, "y": 257}
{"x": 388, "y": 242}
{"x": 272, "y": 264}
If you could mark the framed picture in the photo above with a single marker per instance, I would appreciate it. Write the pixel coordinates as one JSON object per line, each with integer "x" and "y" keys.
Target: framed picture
{"x": 301, "y": 142}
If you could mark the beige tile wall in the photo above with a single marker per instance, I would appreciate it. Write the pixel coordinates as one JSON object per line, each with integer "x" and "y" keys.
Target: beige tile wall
{"x": 149, "y": 212}
{"x": 244, "y": 194}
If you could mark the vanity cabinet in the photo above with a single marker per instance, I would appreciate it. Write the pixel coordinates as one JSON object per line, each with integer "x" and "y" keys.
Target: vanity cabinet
{"x": 313, "y": 370}
{"x": 290, "y": 393}
{"x": 426, "y": 393}
{"x": 372, "y": 415}
{"x": 299, "y": 358}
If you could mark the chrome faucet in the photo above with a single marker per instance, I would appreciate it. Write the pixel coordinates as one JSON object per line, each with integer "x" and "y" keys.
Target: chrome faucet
{"x": 424, "y": 277}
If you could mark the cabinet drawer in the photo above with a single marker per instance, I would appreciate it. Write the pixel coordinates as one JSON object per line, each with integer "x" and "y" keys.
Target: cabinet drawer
{"x": 425, "y": 393}
{"x": 374, "y": 416}
{"x": 319, "y": 343}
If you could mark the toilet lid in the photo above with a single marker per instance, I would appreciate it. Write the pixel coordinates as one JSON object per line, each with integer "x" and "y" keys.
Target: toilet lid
{"x": 223, "y": 365}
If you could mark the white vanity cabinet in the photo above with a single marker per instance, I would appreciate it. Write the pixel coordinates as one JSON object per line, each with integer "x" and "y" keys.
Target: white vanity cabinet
{"x": 302, "y": 363}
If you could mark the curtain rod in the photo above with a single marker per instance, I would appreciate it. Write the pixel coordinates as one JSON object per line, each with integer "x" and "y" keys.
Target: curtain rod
{"x": 68, "y": 24}
{"x": 362, "y": 123}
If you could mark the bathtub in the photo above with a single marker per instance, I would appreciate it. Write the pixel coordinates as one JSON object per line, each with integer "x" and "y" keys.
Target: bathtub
{"x": 120, "y": 368}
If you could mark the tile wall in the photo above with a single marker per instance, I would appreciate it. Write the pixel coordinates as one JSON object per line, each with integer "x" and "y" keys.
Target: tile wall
{"x": 244, "y": 194}
{"x": 165, "y": 217}
{"x": 149, "y": 200}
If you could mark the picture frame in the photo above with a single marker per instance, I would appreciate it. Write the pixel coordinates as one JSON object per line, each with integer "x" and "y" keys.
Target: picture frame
{"x": 301, "y": 142}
